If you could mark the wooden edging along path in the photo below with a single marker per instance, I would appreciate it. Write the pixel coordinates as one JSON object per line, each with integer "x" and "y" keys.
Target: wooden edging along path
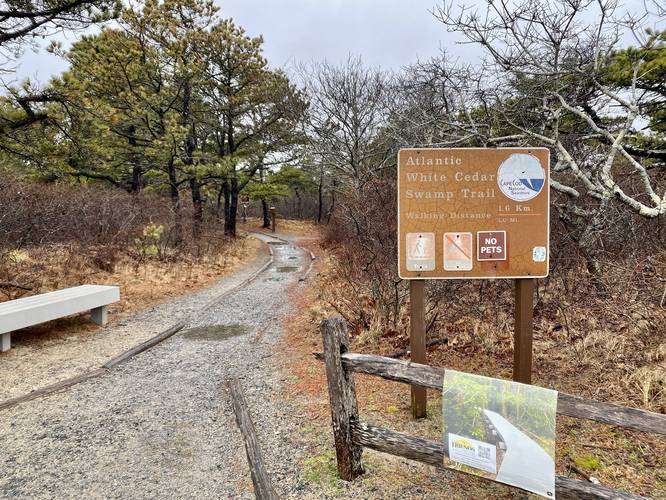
{"x": 130, "y": 353}
{"x": 263, "y": 488}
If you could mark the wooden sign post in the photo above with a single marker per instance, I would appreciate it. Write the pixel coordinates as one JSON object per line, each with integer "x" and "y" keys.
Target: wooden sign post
{"x": 417, "y": 342}
{"x": 272, "y": 210}
{"x": 474, "y": 213}
{"x": 523, "y": 326}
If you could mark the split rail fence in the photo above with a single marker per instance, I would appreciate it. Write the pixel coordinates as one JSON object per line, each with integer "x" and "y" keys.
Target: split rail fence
{"x": 351, "y": 435}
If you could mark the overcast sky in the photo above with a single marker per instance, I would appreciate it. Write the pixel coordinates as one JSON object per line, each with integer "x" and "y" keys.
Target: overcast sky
{"x": 390, "y": 33}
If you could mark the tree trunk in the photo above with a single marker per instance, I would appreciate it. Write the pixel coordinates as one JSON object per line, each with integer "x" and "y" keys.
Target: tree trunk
{"x": 226, "y": 193}
{"x": 218, "y": 205}
{"x": 584, "y": 227}
{"x": 332, "y": 207}
{"x": 231, "y": 212}
{"x": 590, "y": 246}
{"x": 320, "y": 199}
{"x": 230, "y": 223}
{"x": 175, "y": 203}
{"x": 135, "y": 186}
{"x": 135, "y": 183}
{"x": 264, "y": 202}
{"x": 189, "y": 148}
{"x": 197, "y": 203}
{"x": 299, "y": 204}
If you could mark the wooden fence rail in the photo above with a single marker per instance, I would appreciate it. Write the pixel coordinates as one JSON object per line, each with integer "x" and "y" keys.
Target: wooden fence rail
{"x": 351, "y": 435}
{"x": 567, "y": 404}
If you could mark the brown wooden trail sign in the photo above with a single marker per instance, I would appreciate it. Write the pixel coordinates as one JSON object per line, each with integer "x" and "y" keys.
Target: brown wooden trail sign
{"x": 474, "y": 213}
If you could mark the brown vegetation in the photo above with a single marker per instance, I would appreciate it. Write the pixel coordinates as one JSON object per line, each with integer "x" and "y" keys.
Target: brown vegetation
{"x": 606, "y": 344}
{"x": 58, "y": 236}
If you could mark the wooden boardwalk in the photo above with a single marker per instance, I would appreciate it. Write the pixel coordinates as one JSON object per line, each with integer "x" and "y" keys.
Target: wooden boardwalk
{"x": 525, "y": 464}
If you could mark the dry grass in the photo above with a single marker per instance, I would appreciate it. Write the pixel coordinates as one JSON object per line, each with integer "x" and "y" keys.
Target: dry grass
{"x": 608, "y": 354}
{"x": 141, "y": 284}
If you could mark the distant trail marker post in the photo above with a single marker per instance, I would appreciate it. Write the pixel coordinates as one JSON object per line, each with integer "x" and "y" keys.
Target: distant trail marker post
{"x": 474, "y": 213}
{"x": 245, "y": 201}
{"x": 272, "y": 211}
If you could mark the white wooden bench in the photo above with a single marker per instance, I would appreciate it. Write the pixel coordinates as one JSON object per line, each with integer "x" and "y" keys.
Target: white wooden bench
{"x": 29, "y": 311}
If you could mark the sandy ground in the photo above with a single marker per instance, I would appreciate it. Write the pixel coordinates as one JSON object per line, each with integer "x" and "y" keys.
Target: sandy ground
{"x": 36, "y": 361}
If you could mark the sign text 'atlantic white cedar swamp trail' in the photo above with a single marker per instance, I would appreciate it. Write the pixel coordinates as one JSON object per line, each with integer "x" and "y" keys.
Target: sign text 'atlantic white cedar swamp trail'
{"x": 473, "y": 213}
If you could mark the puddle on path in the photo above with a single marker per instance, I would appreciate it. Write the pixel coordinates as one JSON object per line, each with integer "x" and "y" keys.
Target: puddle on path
{"x": 215, "y": 332}
{"x": 286, "y": 269}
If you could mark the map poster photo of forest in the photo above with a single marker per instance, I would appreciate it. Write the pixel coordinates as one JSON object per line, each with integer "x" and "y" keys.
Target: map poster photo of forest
{"x": 500, "y": 430}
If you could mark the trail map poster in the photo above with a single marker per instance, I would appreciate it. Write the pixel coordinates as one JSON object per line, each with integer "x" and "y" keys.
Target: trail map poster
{"x": 485, "y": 211}
{"x": 500, "y": 430}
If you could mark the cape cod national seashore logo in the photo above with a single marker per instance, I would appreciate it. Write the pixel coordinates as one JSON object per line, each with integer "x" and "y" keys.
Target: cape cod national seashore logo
{"x": 521, "y": 177}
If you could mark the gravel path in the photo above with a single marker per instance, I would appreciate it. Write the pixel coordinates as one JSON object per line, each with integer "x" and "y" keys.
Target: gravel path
{"x": 161, "y": 424}
{"x": 27, "y": 367}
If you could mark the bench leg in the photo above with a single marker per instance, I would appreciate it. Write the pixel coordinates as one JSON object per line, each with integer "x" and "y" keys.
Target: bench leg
{"x": 99, "y": 315}
{"x": 5, "y": 341}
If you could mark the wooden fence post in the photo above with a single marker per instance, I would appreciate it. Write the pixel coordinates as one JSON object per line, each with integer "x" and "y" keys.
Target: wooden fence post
{"x": 342, "y": 395}
{"x": 417, "y": 342}
{"x": 523, "y": 326}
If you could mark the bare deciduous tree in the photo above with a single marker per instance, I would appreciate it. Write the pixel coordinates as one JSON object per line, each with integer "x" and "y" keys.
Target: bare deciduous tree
{"x": 552, "y": 66}
{"x": 347, "y": 112}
